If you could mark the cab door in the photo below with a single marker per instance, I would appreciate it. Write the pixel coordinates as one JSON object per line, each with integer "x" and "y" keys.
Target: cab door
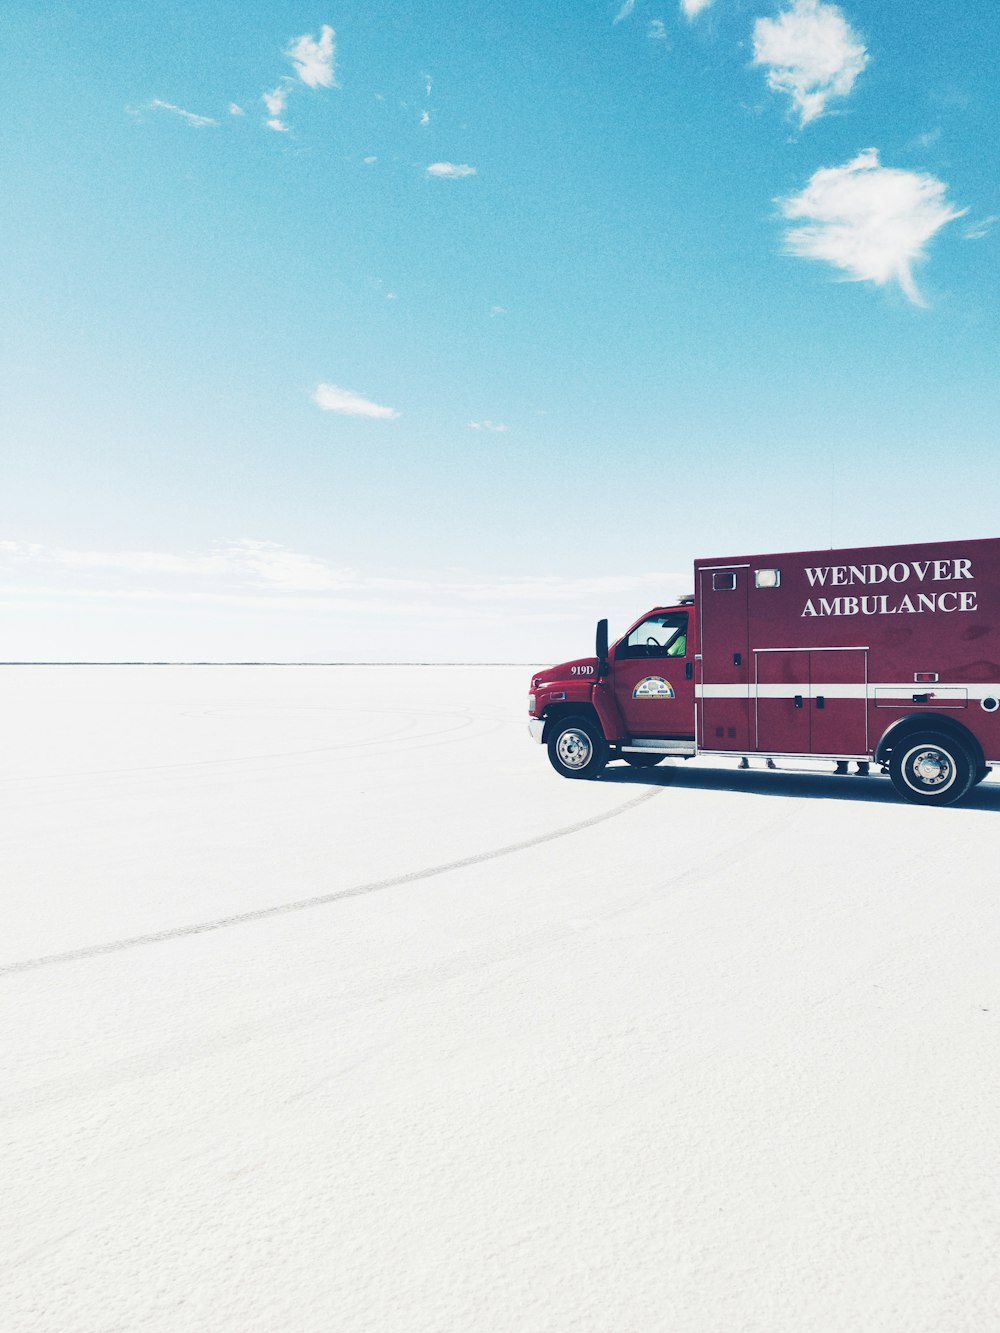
{"x": 652, "y": 675}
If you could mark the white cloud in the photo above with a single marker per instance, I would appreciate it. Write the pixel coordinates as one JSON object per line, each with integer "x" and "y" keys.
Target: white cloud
{"x": 428, "y": 83}
{"x": 425, "y": 117}
{"x": 811, "y": 53}
{"x": 235, "y": 109}
{"x": 497, "y": 310}
{"x": 333, "y": 399}
{"x": 253, "y": 599}
{"x": 241, "y": 571}
{"x": 189, "y": 116}
{"x": 450, "y": 170}
{"x": 276, "y": 101}
{"x": 624, "y": 12}
{"x": 692, "y": 8}
{"x": 977, "y": 230}
{"x": 869, "y": 221}
{"x": 264, "y": 563}
{"x": 274, "y": 566}
{"x": 370, "y": 161}
{"x": 657, "y": 30}
{"x": 313, "y": 60}
{"x": 497, "y": 427}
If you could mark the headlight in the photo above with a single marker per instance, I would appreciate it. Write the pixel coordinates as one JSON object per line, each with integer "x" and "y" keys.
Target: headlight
{"x": 531, "y": 703}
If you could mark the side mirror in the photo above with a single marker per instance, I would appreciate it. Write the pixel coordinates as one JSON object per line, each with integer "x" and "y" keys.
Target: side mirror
{"x": 601, "y": 651}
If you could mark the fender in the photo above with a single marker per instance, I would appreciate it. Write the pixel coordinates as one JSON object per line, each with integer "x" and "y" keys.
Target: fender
{"x": 947, "y": 726}
{"x": 608, "y": 713}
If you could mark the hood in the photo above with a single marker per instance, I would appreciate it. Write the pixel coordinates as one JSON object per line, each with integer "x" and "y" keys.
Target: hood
{"x": 580, "y": 668}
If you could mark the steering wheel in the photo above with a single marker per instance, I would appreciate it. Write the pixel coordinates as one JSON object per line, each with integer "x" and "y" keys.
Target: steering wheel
{"x": 653, "y": 643}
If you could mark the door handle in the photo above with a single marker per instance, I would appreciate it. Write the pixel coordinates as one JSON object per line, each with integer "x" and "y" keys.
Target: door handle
{"x": 820, "y": 701}
{"x": 737, "y": 659}
{"x": 798, "y": 701}
{"x": 688, "y": 670}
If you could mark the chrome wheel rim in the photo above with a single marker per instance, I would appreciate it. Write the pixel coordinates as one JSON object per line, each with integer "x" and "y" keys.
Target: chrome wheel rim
{"x": 929, "y": 768}
{"x": 574, "y": 749}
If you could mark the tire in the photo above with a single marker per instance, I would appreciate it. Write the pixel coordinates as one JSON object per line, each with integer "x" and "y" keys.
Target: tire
{"x": 577, "y": 748}
{"x": 929, "y": 768}
{"x": 643, "y": 760}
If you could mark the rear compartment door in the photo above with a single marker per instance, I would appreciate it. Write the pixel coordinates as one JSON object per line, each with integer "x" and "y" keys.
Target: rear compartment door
{"x": 839, "y": 687}
{"x": 811, "y": 701}
{"x": 723, "y": 640}
{"x": 782, "y": 708}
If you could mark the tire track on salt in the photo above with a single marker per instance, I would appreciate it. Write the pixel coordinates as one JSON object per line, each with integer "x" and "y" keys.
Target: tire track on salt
{"x": 320, "y": 900}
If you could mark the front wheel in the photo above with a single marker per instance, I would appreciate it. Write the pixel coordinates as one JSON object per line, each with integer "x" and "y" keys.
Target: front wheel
{"x": 931, "y": 769}
{"x": 577, "y": 748}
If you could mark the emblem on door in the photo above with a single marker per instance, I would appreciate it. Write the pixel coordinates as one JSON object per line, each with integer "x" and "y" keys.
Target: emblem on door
{"x": 653, "y": 687}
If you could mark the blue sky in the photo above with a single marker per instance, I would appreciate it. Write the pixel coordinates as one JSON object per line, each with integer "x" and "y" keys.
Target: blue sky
{"x": 436, "y": 331}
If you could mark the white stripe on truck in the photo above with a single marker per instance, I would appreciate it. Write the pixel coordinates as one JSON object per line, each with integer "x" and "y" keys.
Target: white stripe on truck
{"x": 874, "y": 689}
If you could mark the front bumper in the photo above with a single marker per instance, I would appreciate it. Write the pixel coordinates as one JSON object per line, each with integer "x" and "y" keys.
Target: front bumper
{"x": 536, "y": 725}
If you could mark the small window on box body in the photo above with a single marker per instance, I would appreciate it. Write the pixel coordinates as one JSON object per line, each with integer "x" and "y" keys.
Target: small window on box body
{"x": 767, "y": 578}
{"x": 724, "y": 581}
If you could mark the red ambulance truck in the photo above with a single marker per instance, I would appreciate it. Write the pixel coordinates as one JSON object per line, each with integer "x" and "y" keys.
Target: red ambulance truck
{"x": 888, "y": 654}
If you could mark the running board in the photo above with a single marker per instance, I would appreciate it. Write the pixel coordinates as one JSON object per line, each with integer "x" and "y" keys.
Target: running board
{"x": 654, "y": 745}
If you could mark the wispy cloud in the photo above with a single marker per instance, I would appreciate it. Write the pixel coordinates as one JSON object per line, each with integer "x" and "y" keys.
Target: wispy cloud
{"x": 314, "y": 66}
{"x": 276, "y": 101}
{"x": 235, "y": 109}
{"x": 189, "y": 116}
{"x": 369, "y": 161}
{"x": 497, "y": 427}
{"x": 624, "y": 12}
{"x": 333, "y": 399}
{"x": 262, "y": 562}
{"x": 425, "y": 117}
{"x": 811, "y": 53}
{"x": 926, "y": 140}
{"x": 253, "y": 599}
{"x": 692, "y": 8}
{"x": 977, "y": 230}
{"x": 313, "y": 60}
{"x": 450, "y": 170}
{"x": 871, "y": 222}
{"x": 657, "y": 30}
{"x": 238, "y": 571}
{"x": 496, "y": 310}
{"x": 428, "y": 83}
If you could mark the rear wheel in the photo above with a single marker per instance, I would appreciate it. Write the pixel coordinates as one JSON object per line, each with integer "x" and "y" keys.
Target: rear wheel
{"x": 577, "y": 748}
{"x": 928, "y": 768}
{"x": 643, "y": 760}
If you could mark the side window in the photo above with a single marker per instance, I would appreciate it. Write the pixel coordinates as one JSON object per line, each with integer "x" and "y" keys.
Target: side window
{"x": 724, "y": 581}
{"x": 662, "y": 635}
